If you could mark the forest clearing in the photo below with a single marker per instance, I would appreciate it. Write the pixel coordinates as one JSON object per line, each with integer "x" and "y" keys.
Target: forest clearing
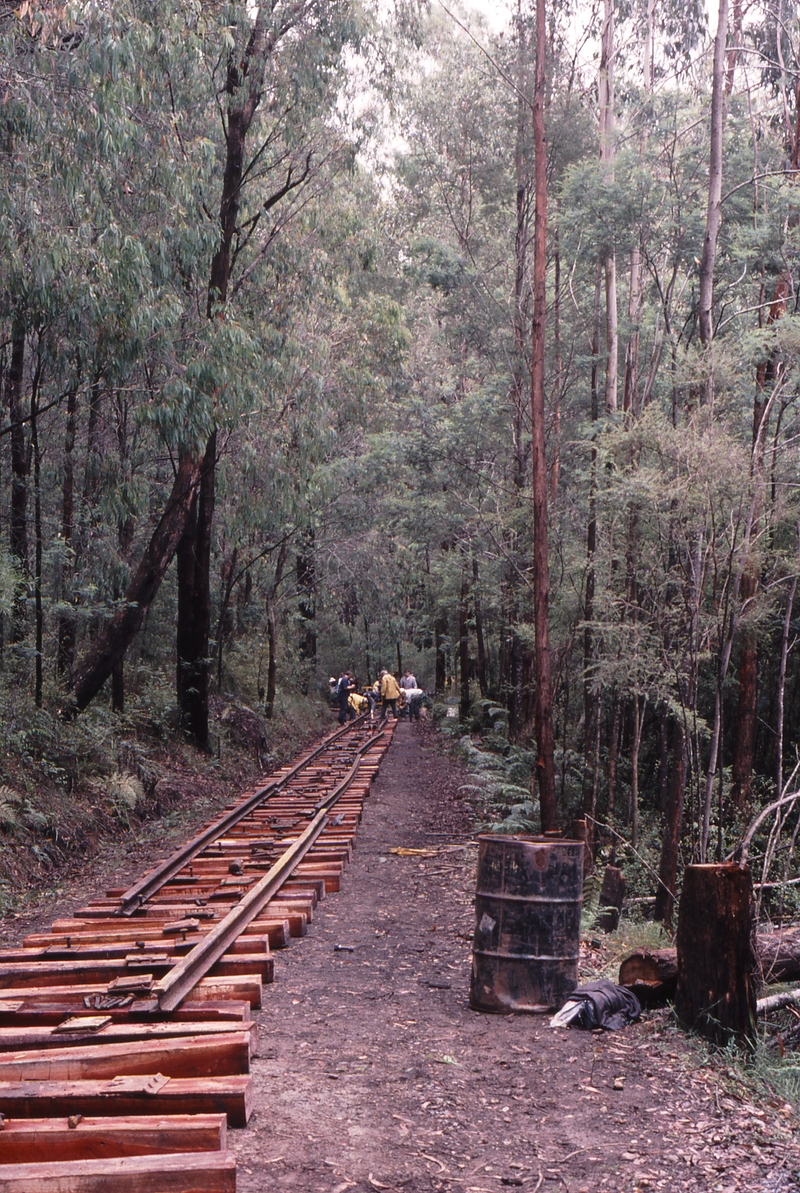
{"x": 399, "y": 340}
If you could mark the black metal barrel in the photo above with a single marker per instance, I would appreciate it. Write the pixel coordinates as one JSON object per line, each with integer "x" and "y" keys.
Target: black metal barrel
{"x": 527, "y": 923}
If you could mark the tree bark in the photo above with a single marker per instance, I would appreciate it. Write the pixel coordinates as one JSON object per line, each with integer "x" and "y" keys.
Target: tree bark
{"x": 717, "y": 965}
{"x": 673, "y": 818}
{"x": 463, "y": 645}
{"x": 591, "y": 698}
{"x": 306, "y": 572}
{"x": 605, "y": 87}
{"x": 37, "y": 530}
{"x": 66, "y": 622}
{"x": 110, "y": 646}
{"x": 20, "y": 471}
{"x": 545, "y": 768}
{"x": 272, "y": 637}
{"x": 714, "y": 208}
{"x": 483, "y": 664}
{"x": 194, "y": 604}
{"x": 440, "y": 678}
{"x": 230, "y": 578}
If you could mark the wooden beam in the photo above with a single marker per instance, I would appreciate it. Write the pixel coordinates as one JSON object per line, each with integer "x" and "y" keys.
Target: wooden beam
{"x": 186, "y": 1172}
{"x": 231, "y": 1096}
{"x": 77, "y": 1031}
{"x": 29, "y": 1141}
{"x": 182, "y": 1056}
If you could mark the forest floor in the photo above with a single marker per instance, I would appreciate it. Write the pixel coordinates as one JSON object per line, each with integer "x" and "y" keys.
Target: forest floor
{"x": 374, "y": 1074}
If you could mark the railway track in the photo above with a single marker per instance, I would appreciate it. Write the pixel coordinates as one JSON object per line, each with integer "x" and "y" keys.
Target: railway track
{"x": 126, "y": 1032}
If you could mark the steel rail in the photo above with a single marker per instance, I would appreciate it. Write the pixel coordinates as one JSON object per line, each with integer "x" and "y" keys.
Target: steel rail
{"x": 171, "y": 990}
{"x": 141, "y": 891}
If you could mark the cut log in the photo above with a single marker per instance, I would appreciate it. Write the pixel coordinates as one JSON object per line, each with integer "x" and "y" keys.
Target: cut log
{"x": 717, "y": 965}
{"x": 185, "y": 1056}
{"x": 189, "y": 1172}
{"x": 651, "y": 974}
{"x": 656, "y": 971}
{"x": 231, "y": 1096}
{"x": 29, "y": 1141}
{"x": 779, "y": 954}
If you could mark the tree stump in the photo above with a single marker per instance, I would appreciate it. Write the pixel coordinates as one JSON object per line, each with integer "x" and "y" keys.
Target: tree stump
{"x": 717, "y": 965}
{"x": 612, "y": 896}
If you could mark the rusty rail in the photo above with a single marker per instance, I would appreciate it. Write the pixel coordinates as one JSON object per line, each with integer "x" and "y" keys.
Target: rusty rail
{"x": 141, "y": 891}
{"x": 183, "y": 977}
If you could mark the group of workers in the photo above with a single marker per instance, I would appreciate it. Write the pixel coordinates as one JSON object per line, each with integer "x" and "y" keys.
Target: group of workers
{"x": 387, "y": 693}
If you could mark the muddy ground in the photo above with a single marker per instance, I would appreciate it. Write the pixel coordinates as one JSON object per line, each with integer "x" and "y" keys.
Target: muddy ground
{"x": 375, "y": 1075}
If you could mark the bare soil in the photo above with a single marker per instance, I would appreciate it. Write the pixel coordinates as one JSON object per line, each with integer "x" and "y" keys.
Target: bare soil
{"x": 374, "y": 1074}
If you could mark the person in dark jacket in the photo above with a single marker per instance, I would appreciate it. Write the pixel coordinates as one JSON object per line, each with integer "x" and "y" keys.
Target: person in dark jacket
{"x": 345, "y": 686}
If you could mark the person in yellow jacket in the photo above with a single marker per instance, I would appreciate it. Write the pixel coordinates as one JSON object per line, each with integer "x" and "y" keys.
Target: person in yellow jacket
{"x": 390, "y": 692}
{"x": 358, "y": 703}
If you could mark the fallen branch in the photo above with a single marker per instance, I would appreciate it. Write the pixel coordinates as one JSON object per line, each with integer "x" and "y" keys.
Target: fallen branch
{"x": 775, "y": 1001}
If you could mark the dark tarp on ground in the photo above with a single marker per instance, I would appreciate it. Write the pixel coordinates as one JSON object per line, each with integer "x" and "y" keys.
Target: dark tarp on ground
{"x": 600, "y": 1004}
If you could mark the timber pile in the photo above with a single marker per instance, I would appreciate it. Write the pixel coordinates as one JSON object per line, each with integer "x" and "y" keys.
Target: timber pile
{"x": 125, "y": 1031}
{"x": 653, "y": 973}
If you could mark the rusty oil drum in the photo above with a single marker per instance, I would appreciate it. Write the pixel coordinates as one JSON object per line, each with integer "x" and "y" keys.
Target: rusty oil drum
{"x": 527, "y": 923}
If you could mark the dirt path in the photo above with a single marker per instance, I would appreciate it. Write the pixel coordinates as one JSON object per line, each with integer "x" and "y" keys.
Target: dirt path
{"x": 374, "y": 1073}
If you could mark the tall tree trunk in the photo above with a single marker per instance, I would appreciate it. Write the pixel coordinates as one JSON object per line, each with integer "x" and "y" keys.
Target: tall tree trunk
{"x": 545, "y": 768}
{"x": 639, "y": 706}
{"x": 521, "y": 286}
{"x": 613, "y": 755}
{"x": 20, "y": 471}
{"x": 194, "y": 604}
{"x": 440, "y": 663}
{"x": 591, "y": 698}
{"x": 230, "y": 580}
{"x": 483, "y": 666}
{"x": 673, "y": 819}
{"x": 37, "y": 530}
{"x": 714, "y": 209}
{"x": 463, "y": 644}
{"x": 66, "y": 621}
{"x": 272, "y": 638}
{"x": 605, "y": 85}
{"x": 244, "y": 87}
{"x": 306, "y": 572}
{"x": 109, "y": 647}
{"x": 126, "y": 527}
{"x": 779, "y": 734}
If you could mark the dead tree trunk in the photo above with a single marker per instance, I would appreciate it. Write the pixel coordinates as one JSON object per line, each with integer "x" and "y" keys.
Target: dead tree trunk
{"x": 716, "y": 962}
{"x": 110, "y": 646}
{"x": 545, "y": 766}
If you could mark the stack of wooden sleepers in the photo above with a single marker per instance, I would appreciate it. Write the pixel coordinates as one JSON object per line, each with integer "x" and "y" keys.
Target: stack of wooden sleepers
{"x": 125, "y": 1030}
